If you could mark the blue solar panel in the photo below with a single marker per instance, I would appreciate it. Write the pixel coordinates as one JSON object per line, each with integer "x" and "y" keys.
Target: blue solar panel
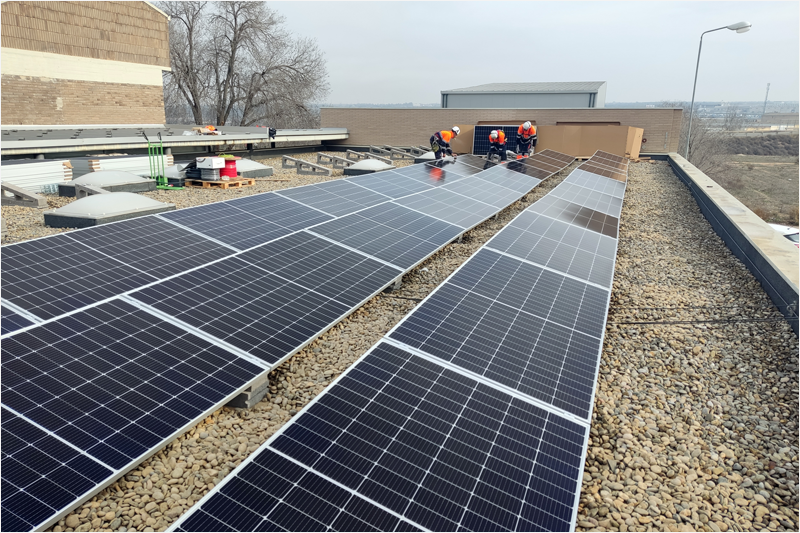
{"x": 480, "y": 143}
{"x": 407, "y": 439}
{"x": 42, "y": 475}
{"x": 114, "y": 382}
{"x": 12, "y": 321}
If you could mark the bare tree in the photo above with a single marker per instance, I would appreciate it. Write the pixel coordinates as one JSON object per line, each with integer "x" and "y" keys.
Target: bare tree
{"x": 235, "y": 64}
{"x": 188, "y": 53}
{"x": 732, "y": 120}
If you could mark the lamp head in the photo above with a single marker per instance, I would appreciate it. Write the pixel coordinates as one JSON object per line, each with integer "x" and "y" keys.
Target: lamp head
{"x": 740, "y": 27}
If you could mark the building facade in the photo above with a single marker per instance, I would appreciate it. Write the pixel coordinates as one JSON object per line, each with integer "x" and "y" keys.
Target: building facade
{"x": 83, "y": 63}
{"x": 540, "y": 95}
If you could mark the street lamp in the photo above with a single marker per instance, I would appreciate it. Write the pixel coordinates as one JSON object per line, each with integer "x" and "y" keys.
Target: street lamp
{"x": 739, "y": 27}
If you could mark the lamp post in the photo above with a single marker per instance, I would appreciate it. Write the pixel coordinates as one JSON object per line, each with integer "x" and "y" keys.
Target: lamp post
{"x": 739, "y": 27}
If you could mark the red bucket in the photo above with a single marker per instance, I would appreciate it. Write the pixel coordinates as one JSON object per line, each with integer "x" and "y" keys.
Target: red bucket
{"x": 230, "y": 168}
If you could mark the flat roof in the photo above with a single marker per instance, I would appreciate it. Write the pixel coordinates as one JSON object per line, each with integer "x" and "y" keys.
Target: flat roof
{"x": 20, "y": 140}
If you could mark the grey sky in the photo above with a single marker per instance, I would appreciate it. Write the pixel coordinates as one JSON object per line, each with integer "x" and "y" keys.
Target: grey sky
{"x": 393, "y": 52}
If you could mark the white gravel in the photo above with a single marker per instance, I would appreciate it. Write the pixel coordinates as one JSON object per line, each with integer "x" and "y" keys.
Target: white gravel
{"x": 695, "y": 425}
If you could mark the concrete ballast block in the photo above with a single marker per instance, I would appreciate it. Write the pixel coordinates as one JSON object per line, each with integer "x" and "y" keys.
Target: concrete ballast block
{"x": 82, "y": 191}
{"x": 21, "y": 197}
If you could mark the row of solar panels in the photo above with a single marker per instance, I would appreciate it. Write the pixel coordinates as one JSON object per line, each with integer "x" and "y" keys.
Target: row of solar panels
{"x": 115, "y": 380}
{"x": 472, "y": 414}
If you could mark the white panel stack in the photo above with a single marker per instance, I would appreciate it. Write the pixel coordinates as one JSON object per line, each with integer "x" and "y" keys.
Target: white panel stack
{"x": 36, "y": 175}
{"x": 135, "y": 164}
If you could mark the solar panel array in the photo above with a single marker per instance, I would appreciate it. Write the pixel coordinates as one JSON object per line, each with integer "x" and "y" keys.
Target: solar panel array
{"x": 472, "y": 414}
{"x": 144, "y": 326}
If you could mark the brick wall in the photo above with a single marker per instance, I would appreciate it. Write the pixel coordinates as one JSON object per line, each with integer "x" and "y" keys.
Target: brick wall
{"x": 51, "y": 101}
{"x": 403, "y": 127}
{"x": 133, "y": 32}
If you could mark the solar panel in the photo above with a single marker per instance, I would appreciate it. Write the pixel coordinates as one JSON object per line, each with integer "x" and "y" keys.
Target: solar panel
{"x": 249, "y": 223}
{"x": 564, "y": 159}
{"x": 152, "y": 245}
{"x": 557, "y": 245}
{"x": 271, "y": 300}
{"x": 480, "y": 143}
{"x": 390, "y": 184}
{"x": 54, "y": 275}
{"x": 605, "y": 203}
{"x": 430, "y": 445}
{"x": 10, "y": 320}
{"x": 42, "y": 475}
{"x": 449, "y": 207}
{"x": 507, "y": 177}
{"x": 596, "y": 183}
{"x": 464, "y": 166}
{"x": 392, "y": 233}
{"x": 338, "y": 197}
{"x": 590, "y": 166}
{"x": 576, "y": 214}
{"x": 542, "y": 338}
{"x": 279, "y": 210}
{"x": 273, "y": 493}
{"x": 490, "y": 193}
{"x": 114, "y": 382}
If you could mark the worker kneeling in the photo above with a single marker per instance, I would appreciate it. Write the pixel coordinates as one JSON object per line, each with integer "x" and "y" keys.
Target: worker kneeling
{"x": 497, "y": 144}
{"x": 440, "y": 142}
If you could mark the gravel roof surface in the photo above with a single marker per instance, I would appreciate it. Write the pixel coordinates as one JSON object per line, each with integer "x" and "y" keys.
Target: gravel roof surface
{"x": 695, "y": 425}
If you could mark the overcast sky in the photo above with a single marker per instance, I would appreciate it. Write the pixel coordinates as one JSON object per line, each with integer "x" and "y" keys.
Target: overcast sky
{"x": 395, "y": 52}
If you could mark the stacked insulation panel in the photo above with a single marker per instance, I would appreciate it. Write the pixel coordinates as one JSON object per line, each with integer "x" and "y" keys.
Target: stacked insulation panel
{"x": 135, "y": 164}
{"x": 36, "y": 175}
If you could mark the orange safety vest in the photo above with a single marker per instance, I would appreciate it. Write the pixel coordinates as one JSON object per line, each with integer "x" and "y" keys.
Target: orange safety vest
{"x": 447, "y": 135}
{"x": 501, "y": 137}
{"x": 526, "y": 133}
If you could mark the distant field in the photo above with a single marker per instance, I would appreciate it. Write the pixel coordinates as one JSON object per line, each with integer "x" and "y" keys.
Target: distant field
{"x": 768, "y": 185}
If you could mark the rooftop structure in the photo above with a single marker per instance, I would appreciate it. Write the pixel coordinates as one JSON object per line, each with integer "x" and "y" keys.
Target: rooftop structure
{"x": 532, "y": 95}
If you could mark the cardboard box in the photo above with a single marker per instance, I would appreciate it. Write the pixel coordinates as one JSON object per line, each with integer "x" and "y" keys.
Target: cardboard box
{"x": 584, "y": 141}
{"x": 210, "y": 162}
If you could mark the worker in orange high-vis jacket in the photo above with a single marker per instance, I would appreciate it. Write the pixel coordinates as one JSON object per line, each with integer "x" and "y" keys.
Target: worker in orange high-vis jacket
{"x": 440, "y": 142}
{"x": 526, "y": 139}
{"x": 497, "y": 144}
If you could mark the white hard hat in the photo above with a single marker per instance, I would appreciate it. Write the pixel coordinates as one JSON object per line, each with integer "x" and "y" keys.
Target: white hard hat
{"x": 493, "y": 135}
{"x": 456, "y": 130}
{"x": 526, "y": 126}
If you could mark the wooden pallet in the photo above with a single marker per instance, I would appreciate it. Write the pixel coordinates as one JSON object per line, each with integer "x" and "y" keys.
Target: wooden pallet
{"x": 221, "y": 184}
